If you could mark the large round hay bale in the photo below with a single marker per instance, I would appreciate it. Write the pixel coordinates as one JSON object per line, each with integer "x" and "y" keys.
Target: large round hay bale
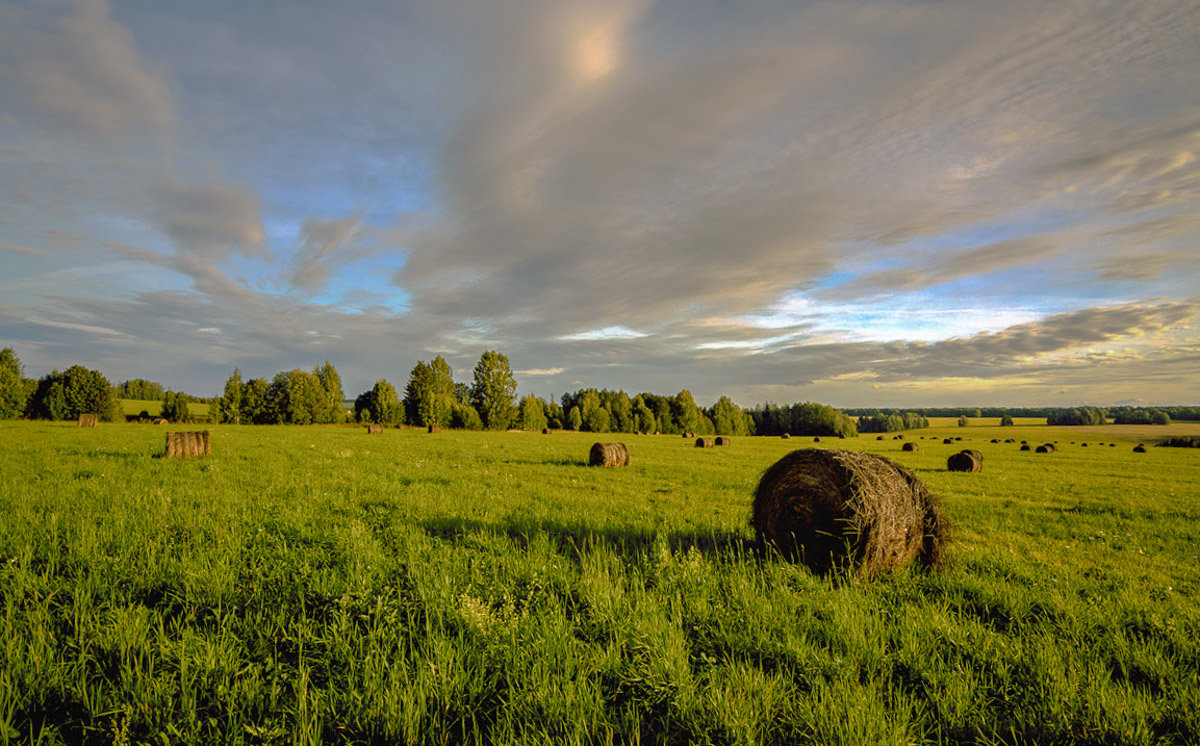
{"x": 608, "y": 454}
{"x": 965, "y": 461}
{"x": 878, "y": 437}
{"x": 909, "y": 446}
{"x": 1025, "y": 447}
{"x": 1043, "y": 449}
{"x": 978, "y": 456}
{"x": 817, "y": 439}
{"x": 704, "y": 442}
{"x": 1051, "y": 447}
{"x": 829, "y": 508}
{"x": 785, "y": 436}
{"x": 722, "y": 440}
{"x": 1139, "y": 448}
{"x": 948, "y": 441}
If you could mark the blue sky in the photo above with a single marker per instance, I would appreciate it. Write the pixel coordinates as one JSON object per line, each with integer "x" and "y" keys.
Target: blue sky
{"x": 934, "y": 203}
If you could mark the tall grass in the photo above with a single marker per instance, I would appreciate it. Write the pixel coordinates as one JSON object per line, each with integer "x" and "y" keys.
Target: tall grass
{"x": 306, "y": 585}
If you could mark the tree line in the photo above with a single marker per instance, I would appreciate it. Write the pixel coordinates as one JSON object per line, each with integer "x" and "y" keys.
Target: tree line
{"x": 431, "y": 396}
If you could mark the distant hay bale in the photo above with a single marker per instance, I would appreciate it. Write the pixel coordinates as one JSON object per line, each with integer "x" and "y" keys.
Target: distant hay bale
{"x": 374, "y": 428}
{"x": 1009, "y": 440}
{"x": 161, "y": 421}
{"x": 958, "y": 438}
{"x": 1085, "y": 445}
{"x": 1051, "y": 446}
{"x": 1139, "y": 448}
{"x": 785, "y": 436}
{"x": 88, "y": 420}
{"x": 704, "y": 442}
{"x": 829, "y": 508}
{"x": 878, "y": 437}
{"x": 995, "y": 440}
{"x": 545, "y": 431}
{"x": 817, "y": 439}
{"x": 608, "y": 454}
{"x": 910, "y": 446}
{"x": 188, "y": 444}
{"x": 722, "y": 440}
{"x": 841, "y": 436}
{"x": 897, "y": 437}
{"x": 1112, "y": 445}
{"x": 965, "y": 461}
{"x": 948, "y": 441}
{"x": 1043, "y": 449}
{"x": 1025, "y": 447}
{"x": 434, "y": 429}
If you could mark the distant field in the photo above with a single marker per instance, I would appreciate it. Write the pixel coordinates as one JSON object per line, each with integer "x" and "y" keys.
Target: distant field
{"x": 318, "y": 584}
{"x": 154, "y": 407}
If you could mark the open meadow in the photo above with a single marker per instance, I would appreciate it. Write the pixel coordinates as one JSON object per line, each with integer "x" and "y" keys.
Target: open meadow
{"x": 319, "y": 584}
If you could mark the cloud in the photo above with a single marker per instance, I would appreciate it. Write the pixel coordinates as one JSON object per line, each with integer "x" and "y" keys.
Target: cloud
{"x": 19, "y": 249}
{"x": 321, "y": 240}
{"x": 211, "y": 220}
{"x": 70, "y": 67}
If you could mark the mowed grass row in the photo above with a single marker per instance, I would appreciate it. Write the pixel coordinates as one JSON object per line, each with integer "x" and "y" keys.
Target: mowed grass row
{"x": 324, "y": 585}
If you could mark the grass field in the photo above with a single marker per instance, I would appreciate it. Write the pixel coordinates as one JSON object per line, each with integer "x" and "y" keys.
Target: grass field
{"x": 154, "y": 407}
{"x": 318, "y": 584}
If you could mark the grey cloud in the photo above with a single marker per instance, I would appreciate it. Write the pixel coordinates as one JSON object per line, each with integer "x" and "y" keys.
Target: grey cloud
{"x": 211, "y": 219}
{"x": 320, "y": 241}
{"x": 69, "y": 66}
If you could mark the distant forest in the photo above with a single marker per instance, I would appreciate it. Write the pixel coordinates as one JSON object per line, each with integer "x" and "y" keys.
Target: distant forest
{"x": 432, "y": 397}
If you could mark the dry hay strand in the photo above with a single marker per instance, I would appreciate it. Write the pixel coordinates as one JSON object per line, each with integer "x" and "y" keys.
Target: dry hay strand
{"x": 704, "y": 442}
{"x": 722, "y": 440}
{"x": 88, "y": 420}
{"x": 910, "y": 446}
{"x": 1139, "y": 448}
{"x": 1025, "y": 447}
{"x": 829, "y": 508}
{"x": 374, "y": 428}
{"x": 608, "y": 454}
{"x": 188, "y": 444}
{"x": 970, "y": 461}
{"x": 434, "y": 429}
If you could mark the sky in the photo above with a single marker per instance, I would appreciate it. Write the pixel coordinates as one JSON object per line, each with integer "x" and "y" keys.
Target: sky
{"x": 858, "y": 203}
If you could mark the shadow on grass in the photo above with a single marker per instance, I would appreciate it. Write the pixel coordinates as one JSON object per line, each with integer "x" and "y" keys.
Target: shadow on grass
{"x": 570, "y": 539}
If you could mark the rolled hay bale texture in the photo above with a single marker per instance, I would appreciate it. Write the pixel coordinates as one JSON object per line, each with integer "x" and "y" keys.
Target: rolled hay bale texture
{"x": 910, "y": 446}
{"x": 188, "y": 444}
{"x": 608, "y": 454}
{"x": 434, "y": 429}
{"x": 1139, "y": 448}
{"x": 965, "y": 461}
{"x": 1051, "y": 447}
{"x": 722, "y": 440}
{"x": 374, "y": 428}
{"x": 828, "y": 508}
{"x": 88, "y": 420}
{"x": 704, "y": 442}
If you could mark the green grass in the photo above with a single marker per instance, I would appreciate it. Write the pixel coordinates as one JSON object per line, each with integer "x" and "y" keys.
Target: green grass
{"x": 154, "y": 407}
{"x": 318, "y": 584}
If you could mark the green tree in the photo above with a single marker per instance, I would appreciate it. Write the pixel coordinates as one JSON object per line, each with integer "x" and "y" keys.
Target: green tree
{"x": 296, "y": 398}
{"x": 685, "y": 412}
{"x": 464, "y": 417}
{"x": 574, "y": 419}
{"x": 78, "y": 390}
{"x": 230, "y": 406}
{"x": 140, "y": 388}
{"x": 598, "y": 420}
{"x": 254, "y": 402}
{"x": 331, "y": 385}
{"x": 14, "y": 392}
{"x": 494, "y": 391}
{"x": 643, "y": 416}
{"x": 533, "y": 413}
{"x": 1006, "y": 420}
{"x": 429, "y": 395}
{"x": 380, "y": 405}
{"x": 962, "y": 421}
{"x": 175, "y": 406}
